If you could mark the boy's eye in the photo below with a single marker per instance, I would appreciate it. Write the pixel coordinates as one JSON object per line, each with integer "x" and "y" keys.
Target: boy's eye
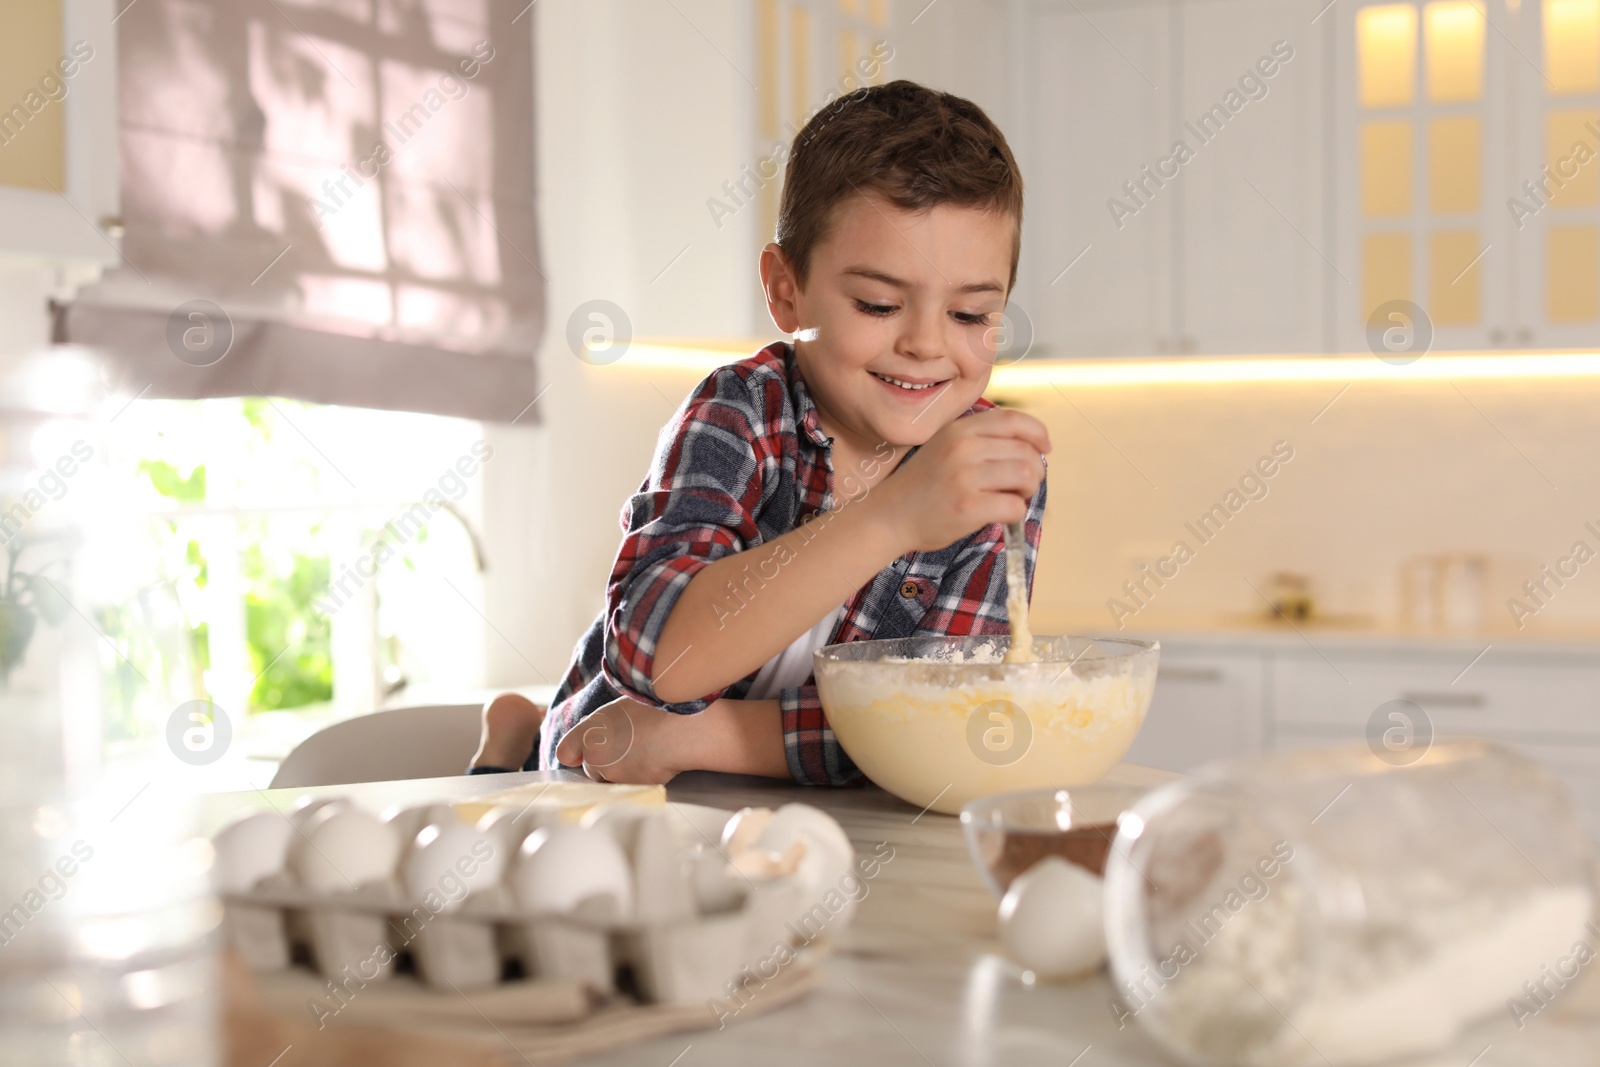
{"x": 874, "y": 309}
{"x": 969, "y": 318}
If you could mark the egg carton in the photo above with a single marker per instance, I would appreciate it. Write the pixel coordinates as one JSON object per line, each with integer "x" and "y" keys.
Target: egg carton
{"x": 521, "y": 891}
{"x": 365, "y": 933}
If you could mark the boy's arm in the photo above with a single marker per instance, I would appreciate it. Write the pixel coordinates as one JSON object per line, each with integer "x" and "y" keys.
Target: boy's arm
{"x": 725, "y": 624}
{"x": 626, "y": 741}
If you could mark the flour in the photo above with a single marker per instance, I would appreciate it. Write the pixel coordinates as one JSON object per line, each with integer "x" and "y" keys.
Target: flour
{"x": 1376, "y": 992}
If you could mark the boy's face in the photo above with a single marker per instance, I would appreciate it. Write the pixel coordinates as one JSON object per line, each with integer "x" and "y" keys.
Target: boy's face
{"x": 899, "y": 317}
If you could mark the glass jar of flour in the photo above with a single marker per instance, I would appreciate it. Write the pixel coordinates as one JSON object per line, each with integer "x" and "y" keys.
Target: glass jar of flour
{"x": 1335, "y": 907}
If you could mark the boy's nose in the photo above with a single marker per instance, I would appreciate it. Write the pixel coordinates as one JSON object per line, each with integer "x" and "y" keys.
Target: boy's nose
{"x": 923, "y": 337}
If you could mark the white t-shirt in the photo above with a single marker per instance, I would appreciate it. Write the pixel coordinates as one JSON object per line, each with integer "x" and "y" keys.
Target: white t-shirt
{"x": 791, "y": 667}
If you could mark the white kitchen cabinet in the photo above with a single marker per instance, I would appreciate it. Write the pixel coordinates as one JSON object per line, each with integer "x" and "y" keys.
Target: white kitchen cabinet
{"x": 1544, "y": 706}
{"x": 1215, "y": 700}
{"x": 1502, "y": 695}
{"x": 59, "y": 200}
{"x": 1385, "y": 164}
{"x": 1136, "y": 247}
{"x": 1249, "y": 262}
{"x": 1554, "y": 232}
{"x": 1098, "y": 110}
{"x": 1422, "y": 134}
{"x": 1207, "y": 706}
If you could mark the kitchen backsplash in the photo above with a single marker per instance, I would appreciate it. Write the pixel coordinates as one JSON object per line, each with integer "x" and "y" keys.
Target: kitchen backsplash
{"x": 1216, "y": 487}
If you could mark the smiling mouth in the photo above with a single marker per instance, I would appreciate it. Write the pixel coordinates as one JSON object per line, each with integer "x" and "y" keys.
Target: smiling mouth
{"x": 901, "y": 383}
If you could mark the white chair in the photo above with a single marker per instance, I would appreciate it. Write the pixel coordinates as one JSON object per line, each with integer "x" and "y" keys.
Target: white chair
{"x": 423, "y": 742}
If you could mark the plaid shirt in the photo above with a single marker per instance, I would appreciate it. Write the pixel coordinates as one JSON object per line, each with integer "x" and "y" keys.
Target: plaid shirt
{"x": 743, "y": 461}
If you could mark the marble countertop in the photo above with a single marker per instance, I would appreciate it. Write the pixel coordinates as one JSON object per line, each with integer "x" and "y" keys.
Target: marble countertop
{"x": 918, "y": 979}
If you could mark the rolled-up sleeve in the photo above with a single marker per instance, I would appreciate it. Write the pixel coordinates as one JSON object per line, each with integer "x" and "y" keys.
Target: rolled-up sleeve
{"x": 696, "y": 506}
{"x": 815, "y": 756}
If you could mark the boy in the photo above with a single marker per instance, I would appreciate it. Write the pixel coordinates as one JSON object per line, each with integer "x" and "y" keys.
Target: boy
{"x": 848, "y": 486}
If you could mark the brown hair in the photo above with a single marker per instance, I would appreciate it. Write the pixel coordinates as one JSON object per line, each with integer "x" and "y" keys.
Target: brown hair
{"x": 917, "y": 147}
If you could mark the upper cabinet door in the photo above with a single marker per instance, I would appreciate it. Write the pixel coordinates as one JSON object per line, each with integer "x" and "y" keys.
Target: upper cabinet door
{"x": 1252, "y": 255}
{"x": 1098, "y": 230}
{"x": 1423, "y": 137}
{"x": 58, "y": 133}
{"x": 1553, "y": 201}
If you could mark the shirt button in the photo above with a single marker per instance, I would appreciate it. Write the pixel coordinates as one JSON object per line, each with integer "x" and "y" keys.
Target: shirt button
{"x": 909, "y": 590}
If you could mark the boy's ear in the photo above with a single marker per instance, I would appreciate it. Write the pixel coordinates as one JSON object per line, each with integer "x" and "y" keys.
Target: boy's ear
{"x": 782, "y": 289}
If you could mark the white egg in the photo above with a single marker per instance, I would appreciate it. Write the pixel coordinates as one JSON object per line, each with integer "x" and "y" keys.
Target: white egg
{"x": 663, "y": 888}
{"x": 1051, "y": 920}
{"x": 621, "y": 821}
{"x": 718, "y": 888}
{"x": 559, "y": 867}
{"x": 509, "y": 827}
{"x": 450, "y": 860}
{"x": 343, "y": 848}
{"x": 409, "y": 820}
{"x": 250, "y": 849}
{"x": 698, "y": 825}
{"x": 308, "y": 808}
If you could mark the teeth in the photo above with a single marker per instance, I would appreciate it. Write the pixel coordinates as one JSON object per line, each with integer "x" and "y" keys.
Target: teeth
{"x": 904, "y": 385}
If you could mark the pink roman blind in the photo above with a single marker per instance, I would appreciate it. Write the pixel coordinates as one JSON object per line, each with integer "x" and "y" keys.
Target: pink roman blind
{"x": 325, "y": 199}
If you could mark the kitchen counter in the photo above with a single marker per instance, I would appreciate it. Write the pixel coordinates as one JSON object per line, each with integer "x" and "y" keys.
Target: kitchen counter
{"x": 1328, "y": 633}
{"x": 917, "y": 980}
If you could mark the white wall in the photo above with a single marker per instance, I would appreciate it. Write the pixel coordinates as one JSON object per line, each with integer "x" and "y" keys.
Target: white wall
{"x": 639, "y": 120}
{"x": 24, "y": 314}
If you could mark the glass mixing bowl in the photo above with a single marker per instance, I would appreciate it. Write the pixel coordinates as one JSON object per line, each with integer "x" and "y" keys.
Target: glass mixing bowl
{"x": 940, "y": 721}
{"x": 1010, "y": 832}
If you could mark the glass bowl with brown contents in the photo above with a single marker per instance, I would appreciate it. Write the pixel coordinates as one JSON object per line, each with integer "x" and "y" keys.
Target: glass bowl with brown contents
{"x": 1010, "y": 832}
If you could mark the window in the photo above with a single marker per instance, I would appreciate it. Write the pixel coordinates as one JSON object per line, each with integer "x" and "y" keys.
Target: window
{"x": 283, "y": 557}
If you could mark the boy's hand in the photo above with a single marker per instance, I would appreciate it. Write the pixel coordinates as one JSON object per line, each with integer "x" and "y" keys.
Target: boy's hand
{"x": 975, "y": 471}
{"x": 624, "y": 741}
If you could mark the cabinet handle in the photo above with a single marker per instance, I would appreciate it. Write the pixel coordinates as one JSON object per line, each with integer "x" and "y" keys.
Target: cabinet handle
{"x": 1524, "y": 335}
{"x": 1189, "y": 674}
{"x": 1446, "y": 700}
{"x": 1497, "y": 337}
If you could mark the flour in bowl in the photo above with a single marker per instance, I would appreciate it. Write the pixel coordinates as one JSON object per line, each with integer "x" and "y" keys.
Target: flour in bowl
{"x": 1250, "y": 995}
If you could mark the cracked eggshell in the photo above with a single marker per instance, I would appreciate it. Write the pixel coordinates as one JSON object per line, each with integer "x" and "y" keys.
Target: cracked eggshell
{"x": 453, "y": 861}
{"x": 794, "y": 820}
{"x": 559, "y": 867}
{"x": 740, "y": 833}
{"x": 250, "y": 849}
{"x": 828, "y": 861}
{"x": 342, "y": 848}
{"x": 1052, "y": 920}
